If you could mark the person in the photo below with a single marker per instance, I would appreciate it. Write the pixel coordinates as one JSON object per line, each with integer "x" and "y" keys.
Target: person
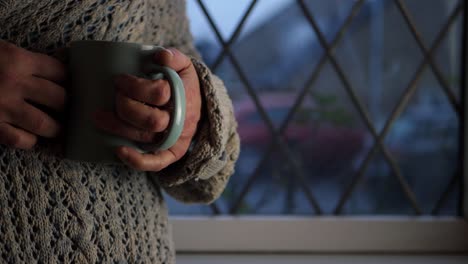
{"x": 55, "y": 210}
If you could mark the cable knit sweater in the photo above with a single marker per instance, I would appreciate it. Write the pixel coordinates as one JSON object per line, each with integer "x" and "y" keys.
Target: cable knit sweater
{"x": 58, "y": 211}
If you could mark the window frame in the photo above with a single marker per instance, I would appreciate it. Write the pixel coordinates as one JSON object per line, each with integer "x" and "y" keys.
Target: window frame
{"x": 464, "y": 115}
{"x": 335, "y": 234}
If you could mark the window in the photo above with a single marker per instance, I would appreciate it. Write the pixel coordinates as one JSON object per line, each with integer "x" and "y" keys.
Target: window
{"x": 346, "y": 109}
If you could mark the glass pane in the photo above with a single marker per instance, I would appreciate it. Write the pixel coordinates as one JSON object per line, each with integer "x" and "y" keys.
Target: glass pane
{"x": 380, "y": 57}
{"x": 326, "y": 138}
{"x": 424, "y": 142}
{"x": 378, "y": 193}
{"x": 448, "y": 57}
{"x": 428, "y": 21}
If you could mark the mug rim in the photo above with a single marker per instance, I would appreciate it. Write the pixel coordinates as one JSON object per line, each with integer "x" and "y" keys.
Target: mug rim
{"x": 113, "y": 43}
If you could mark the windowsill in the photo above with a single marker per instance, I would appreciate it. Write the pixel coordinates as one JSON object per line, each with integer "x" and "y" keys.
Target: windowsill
{"x": 321, "y": 259}
{"x": 321, "y": 235}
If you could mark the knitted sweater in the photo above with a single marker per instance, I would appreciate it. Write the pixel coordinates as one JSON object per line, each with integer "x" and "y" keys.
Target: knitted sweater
{"x": 53, "y": 210}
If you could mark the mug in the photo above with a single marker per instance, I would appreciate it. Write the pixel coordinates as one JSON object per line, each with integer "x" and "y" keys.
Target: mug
{"x": 93, "y": 65}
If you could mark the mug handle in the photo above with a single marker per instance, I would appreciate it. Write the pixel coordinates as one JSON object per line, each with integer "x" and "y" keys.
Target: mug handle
{"x": 177, "y": 119}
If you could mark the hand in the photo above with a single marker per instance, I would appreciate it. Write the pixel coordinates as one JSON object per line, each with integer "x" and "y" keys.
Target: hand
{"x": 27, "y": 80}
{"x": 142, "y": 113}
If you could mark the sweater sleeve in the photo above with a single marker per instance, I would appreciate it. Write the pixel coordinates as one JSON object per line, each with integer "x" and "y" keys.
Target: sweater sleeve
{"x": 202, "y": 174}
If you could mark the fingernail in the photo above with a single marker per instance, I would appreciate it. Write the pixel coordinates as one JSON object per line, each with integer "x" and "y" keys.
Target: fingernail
{"x": 123, "y": 151}
{"x": 169, "y": 51}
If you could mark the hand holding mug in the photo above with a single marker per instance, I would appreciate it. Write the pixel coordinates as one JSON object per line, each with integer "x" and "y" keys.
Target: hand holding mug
{"x": 28, "y": 80}
{"x": 142, "y": 113}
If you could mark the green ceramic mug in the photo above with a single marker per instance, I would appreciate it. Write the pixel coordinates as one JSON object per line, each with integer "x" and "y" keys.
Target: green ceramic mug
{"x": 93, "y": 65}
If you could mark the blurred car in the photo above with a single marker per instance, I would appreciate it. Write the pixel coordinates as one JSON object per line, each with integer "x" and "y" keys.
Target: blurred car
{"x": 323, "y": 145}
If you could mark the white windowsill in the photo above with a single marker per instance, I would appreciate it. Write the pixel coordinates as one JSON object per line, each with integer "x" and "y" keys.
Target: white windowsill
{"x": 321, "y": 235}
{"x": 320, "y": 259}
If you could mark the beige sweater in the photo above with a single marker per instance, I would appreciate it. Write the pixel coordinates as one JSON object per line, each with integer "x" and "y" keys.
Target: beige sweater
{"x": 58, "y": 211}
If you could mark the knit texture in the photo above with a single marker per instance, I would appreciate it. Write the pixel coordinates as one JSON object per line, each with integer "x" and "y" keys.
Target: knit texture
{"x": 59, "y": 211}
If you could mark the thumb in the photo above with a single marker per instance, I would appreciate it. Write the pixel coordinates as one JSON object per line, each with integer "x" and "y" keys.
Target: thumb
{"x": 173, "y": 59}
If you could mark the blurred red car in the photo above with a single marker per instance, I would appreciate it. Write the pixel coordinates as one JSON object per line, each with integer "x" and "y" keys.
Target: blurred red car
{"x": 321, "y": 143}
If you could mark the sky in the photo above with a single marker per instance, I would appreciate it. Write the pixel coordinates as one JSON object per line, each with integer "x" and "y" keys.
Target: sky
{"x": 227, "y": 14}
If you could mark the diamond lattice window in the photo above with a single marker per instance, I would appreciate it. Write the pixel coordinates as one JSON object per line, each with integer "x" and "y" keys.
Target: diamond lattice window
{"x": 344, "y": 107}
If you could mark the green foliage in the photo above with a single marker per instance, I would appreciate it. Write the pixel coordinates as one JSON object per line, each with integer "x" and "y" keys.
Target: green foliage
{"x": 328, "y": 110}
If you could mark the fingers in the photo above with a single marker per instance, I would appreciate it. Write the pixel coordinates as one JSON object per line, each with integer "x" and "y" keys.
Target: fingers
{"x": 154, "y": 92}
{"x": 44, "y": 92}
{"x": 107, "y": 121}
{"x": 47, "y": 67}
{"x": 35, "y": 121}
{"x": 174, "y": 59}
{"x": 15, "y": 137}
{"x": 140, "y": 115}
{"x": 133, "y": 93}
{"x": 154, "y": 161}
{"x": 22, "y": 62}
